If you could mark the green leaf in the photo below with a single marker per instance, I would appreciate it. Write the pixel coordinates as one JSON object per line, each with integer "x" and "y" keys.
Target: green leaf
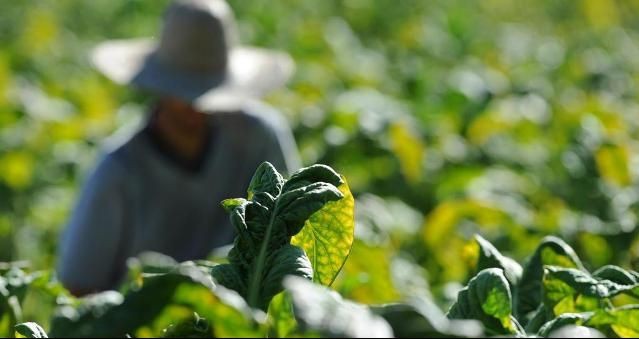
{"x": 616, "y": 274}
{"x": 31, "y": 330}
{"x": 288, "y": 260}
{"x": 153, "y": 262}
{"x": 276, "y": 210}
{"x": 378, "y": 284}
{"x": 311, "y": 174}
{"x": 298, "y": 205}
{"x": 327, "y": 236}
{"x": 490, "y": 257}
{"x": 162, "y": 299}
{"x": 576, "y": 331}
{"x": 552, "y": 251}
{"x": 280, "y": 316}
{"x": 265, "y": 180}
{"x": 230, "y": 276}
{"x": 421, "y": 318}
{"x": 319, "y": 309}
{"x": 563, "y": 320}
{"x": 78, "y": 321}
{"x": 230, "y": 204}
{"x": 539, "y": 319}
{"x": 572, "y": 290}
{"x": 487, "y": 298}
{"x": 192, "y": 327}
{"x": 623, "y": 321}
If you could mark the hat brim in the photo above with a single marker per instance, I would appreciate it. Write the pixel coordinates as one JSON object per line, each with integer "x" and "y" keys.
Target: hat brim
{"x": 252, "y": 72}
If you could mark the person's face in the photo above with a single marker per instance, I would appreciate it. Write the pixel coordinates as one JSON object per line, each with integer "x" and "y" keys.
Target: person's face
{"x": 181, "y": 115}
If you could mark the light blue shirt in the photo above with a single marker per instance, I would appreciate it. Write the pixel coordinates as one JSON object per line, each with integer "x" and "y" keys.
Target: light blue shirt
{"x": 137, "y": 200}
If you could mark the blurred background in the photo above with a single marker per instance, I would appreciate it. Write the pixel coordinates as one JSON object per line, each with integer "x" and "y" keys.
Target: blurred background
{"x": 448, "y": 118}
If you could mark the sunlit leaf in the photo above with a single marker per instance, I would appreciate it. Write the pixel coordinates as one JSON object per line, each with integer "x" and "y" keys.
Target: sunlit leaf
{"x": 487, "y": 298}
{"x": 280, "y": 316}
{"x": 552, "y": 251}
{"x": 489, "y": 257}
{"x": 320, "y": 309}
{"x": 327, "y": 237}
{"x": 31, "y": 330}
{"x": 409, "y": 149}
{"x": 613, "y": 164}
{"x": 16, "y": 168}
{"x": 421, "y": 318}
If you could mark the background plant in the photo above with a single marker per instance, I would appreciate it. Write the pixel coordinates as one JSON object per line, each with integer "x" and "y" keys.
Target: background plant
{"x": 448, "y": 118}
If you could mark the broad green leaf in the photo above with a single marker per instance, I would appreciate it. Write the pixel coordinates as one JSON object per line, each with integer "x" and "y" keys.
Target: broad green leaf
{"x": 288, "y": 260}
{"x": 311, "y": 174}
{"x": 152, "y": 262}
{"x": 327, "y": 237}
{"x": 230, "y": 276}
{"x": 552, "y": 251}
{"x": 563, "y": 320}
{"x": 490, "y": 257}
{"x": 31, "y": 330}
{"x": 277, "y": 210}
{"x": 281, "y": 319}
{"x": 445, "y": 244}
{"x": 163, "y": 300}
{"x": 585, "y": 284}
{"x": 421, "y": 318}
{"x": 487, "y": 298}
{"x": 377, "y": 285}
{"x": 266, "y": 179}
{"x": 542, "y": 316}
{"x": 77, "y": 321}
{"x": 616, "y": 274}
{"x": 192, "y": 327}
{"x": 298, "y": 205}
{"x": 572, "y": 290}
{"x": 321, "y": 310}
{"x": 623, "y": 321}
{"x": 575, "y": 331}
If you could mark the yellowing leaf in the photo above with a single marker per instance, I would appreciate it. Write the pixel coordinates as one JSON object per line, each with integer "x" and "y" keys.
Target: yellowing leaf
{"x": 613, "y": 164}
{"x": 486, "y": 126}
{"x": 409, "y": 149}
{"x": 72, "y": 129}
{"x": 328, "y": 235}
{"x": 367, "y": 275}
{"x": 487, "y": 298}
{"x": 40, "y": 30}
{"x": 624, "y": 332}
{"x": 448, "y": 246}
{"x": 601, "y": 13}
{"x": 597, "y": 251}
{"x": 16, "y": 169}
{"x": 441, "y": 222}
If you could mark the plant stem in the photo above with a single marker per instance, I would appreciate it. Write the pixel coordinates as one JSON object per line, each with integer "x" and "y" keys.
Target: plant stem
{"x": 254, "y": 286}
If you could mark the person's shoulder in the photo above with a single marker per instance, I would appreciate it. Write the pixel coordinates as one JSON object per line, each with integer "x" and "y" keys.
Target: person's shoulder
{"x": 116, "y": 158}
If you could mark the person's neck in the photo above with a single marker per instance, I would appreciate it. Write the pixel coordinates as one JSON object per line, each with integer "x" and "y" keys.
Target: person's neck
{"x": 186, "y": 145}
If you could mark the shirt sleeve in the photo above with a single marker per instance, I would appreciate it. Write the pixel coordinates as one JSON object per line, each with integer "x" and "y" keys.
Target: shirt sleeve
{"x": 90, "y": 243}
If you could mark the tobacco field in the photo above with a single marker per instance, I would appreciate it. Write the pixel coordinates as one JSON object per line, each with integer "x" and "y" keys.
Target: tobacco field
{"x": 470, "y": 169}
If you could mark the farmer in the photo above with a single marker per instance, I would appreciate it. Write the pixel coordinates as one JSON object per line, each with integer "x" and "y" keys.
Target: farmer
{"x": 207, "y": 133}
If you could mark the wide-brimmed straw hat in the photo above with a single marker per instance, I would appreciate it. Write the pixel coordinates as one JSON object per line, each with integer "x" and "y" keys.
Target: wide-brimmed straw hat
{"x": 196, "y": 59}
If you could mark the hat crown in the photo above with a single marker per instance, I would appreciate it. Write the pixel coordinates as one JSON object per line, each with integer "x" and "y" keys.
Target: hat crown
{"x": 197, "y": 36}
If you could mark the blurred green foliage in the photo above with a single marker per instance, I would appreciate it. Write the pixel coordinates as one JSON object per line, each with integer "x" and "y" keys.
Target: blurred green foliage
{"x": 453, "y": 117}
